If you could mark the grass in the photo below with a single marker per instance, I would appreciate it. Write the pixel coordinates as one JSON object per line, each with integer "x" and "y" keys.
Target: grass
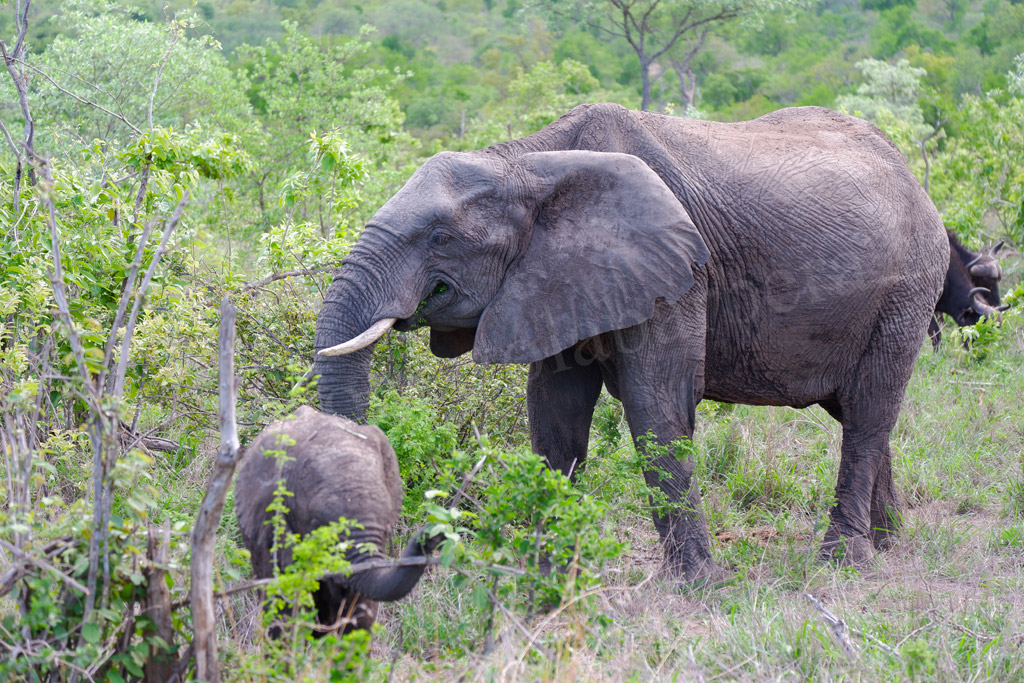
{"x": 945, "y": 603}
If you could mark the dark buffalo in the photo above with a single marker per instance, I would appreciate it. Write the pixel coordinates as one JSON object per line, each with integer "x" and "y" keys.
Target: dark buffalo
{"x": 971, "y": 289}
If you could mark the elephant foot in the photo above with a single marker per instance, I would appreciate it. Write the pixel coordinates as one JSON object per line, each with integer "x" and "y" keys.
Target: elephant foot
{"x": 848, "y": 551}
{"x": 707, "y": 575}
{"x": 694, "y": 567}
{"x": 886, "y": 522}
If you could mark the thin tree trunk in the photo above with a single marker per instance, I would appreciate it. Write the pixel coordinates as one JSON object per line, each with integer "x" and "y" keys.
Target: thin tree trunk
{"x": 204, "y": 535}
{"x": 161, "y": 664}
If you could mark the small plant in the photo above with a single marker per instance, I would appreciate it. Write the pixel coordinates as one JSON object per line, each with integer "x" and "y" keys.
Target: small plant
{"x": 538, "y": 540}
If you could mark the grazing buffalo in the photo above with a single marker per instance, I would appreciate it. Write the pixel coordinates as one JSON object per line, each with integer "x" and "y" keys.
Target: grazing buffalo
{"x": 971, "y": 289}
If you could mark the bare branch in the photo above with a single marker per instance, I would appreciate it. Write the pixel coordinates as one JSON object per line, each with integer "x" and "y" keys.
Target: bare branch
{"x": 122, "y": 305}
{"x": 43, "y": 564}
{"x": 57, "y": 281}
{"x": 204, "y": 533}
{"x": 249, "y": 286}
{"x": 21, "y": 86}
{"x": 119, "y": 117}
{"x": 122, "y": 362}
{"x": 18, "y": 168}
{"x": 159, "y": 73}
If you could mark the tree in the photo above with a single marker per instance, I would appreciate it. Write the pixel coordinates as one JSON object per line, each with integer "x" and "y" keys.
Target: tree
{"x": 653, "y": 28}
{"x": 979, "y": 180}
{"x": 890, "y": 98}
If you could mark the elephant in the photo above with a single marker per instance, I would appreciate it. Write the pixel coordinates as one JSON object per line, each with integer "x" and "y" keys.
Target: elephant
{"x": 334, "y": 468}
{"x": 790, "y": 260}
{"x": 970, "y": 291}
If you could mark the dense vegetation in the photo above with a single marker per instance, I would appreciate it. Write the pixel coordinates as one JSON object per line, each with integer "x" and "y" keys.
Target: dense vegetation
{"x": 183, "y": 151}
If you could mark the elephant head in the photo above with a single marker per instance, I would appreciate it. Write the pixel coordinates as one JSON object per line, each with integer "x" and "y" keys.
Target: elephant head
{"x": 333, "y": 468}
{"x": 970, "y": 291}
{"x": 514, "y": 259}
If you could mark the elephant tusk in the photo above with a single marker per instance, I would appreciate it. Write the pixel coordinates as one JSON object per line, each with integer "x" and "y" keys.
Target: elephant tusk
{"x": 371, "y": 335}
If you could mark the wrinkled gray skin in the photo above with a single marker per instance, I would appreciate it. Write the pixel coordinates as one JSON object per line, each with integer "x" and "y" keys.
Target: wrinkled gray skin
{"x": 335, "y": 473}
{"x": 789, "y": 260}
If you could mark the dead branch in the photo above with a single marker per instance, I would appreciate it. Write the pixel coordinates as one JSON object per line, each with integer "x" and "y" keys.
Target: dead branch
{"x": 249, "y": 286}
{"x": 838, "y": 626}
{"x": 122, "y": 362}
{"x": 204, "y": 534}
{"x": 43, "y": 564}
{"x": 160, "y": 666}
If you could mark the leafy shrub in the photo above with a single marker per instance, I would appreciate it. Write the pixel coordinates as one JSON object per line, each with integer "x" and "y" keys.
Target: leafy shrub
{"x": 524, "y": 519}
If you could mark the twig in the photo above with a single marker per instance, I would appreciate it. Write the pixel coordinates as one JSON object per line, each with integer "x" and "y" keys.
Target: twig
{"x": 515, "y": 622}
{"x": 122, "y": 362}
{"x": 367, "y": 566}
{"x": 838, "y": 627}
{"x": 204, "y": 534}
{"x": 281, "y": 276}
{"x": 551, "y": 617}
{"x": 913, "y": 633}
{"x": 43, "y": 564}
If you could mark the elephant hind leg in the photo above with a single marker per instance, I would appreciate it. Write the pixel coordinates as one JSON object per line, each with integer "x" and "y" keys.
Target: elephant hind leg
{"x": 867, "y": 514}
{"x": 886, "y": 519}
{"x": 885, "y": 515}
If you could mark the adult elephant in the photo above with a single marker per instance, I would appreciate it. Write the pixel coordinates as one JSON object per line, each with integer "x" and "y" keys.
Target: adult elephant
{"x": 789, "y": 260}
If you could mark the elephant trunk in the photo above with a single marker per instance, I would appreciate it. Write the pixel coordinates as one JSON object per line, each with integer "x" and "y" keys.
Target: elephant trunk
{"x": 387, "y": 584}
{"x": 363, "y": 302}
{"x": 344, "y": 380}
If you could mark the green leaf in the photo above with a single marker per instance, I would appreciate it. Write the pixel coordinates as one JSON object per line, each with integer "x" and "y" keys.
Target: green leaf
{"x": 480, "y": 598}
{"x": 91, "y": 633}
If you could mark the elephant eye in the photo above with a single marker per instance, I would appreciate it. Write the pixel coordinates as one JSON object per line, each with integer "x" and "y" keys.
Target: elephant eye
{"x": 439, "y": 237}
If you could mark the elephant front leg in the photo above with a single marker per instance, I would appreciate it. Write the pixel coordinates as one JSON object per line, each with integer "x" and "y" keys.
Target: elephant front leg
{"x": 561, "y": 393}
{"x": 658, "y": 369}
{"x": 680, "y": 522}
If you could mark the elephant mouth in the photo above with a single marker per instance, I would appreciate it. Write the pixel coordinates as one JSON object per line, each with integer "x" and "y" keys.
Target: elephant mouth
{"x": 435, "y": 299}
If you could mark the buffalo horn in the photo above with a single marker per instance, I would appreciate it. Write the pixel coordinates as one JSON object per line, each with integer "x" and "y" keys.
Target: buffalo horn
{"x": 371, "y": 335}
{"x": 997, "y": 247}
{"x": 974, "y": 260}
{"x": 987, "y": 268}
{"x": 979, "y": 305}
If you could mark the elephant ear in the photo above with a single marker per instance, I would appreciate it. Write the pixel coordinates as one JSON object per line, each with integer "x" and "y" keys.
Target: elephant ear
{"x": 609, "y": 239}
